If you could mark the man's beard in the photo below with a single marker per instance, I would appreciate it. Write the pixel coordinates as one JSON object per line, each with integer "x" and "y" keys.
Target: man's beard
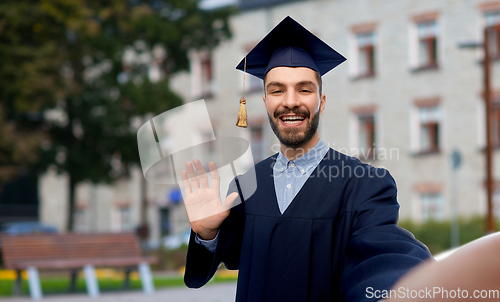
{"x": 291, "y": 137}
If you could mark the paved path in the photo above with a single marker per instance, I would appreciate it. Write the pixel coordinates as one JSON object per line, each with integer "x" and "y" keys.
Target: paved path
{"x": 219, "y": 292}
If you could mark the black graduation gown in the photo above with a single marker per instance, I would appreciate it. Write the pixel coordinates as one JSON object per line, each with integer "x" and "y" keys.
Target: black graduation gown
{"x": 338, "y": 237}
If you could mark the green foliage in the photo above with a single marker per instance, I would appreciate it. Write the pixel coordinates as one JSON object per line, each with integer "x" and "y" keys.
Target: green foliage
{"x": 176, "y": 259}
{"x": 437, "y": 234}
{"x": 68, "y": 91}
{"x": 52, "y": 285}
{"x": 58, "y": 285}
{"x": 28, "y": 81}
{"x": 102, "y": 93}
{"x": 170, "y": 259}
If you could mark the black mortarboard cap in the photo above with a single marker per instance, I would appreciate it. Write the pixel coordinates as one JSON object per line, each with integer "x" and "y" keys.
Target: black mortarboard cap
{"x": 290, "y": 44}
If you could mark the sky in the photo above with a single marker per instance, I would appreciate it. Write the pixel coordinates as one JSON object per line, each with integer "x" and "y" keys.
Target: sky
{"x": 211, "y": 4}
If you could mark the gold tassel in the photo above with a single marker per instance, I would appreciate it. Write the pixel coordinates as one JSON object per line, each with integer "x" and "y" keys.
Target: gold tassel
{"x": 242, "y": 113}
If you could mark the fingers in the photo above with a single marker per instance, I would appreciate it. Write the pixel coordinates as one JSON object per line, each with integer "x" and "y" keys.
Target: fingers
{"x": 229, "y": 202}
{"x": 199, "y": 179}
{"x": 192, "y": 176}
{"x": 202, "y": 176}
{"x": 185, "y": 182}
{"x": 215, "y": 175}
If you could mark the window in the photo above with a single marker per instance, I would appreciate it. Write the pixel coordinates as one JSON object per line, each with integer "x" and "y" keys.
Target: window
{"x": 202, "y": 75}
{"x": 206, "y": 77}
{"x": 429, "y": 203}
{"x": 429, "y": 120}
{"x": 165, "y": 221}
{"x": 125, "y": 218}
{"x": 363, "y": 131}
{"x": 424, "y": 41}
{"x": 362, "y": 50}
{"x": 81, "y": 217}
{"x": 257, "y": 142}
{"x": 492, "y": 19}
{"x": 367, "y": 135}
{"x": 427, "y": 44}
{"x": 432, "y": 206}
{"x": 366, "y": 54}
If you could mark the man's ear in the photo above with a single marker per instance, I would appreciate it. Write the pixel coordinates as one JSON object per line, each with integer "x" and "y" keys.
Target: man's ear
{"x": 322, "y": 103}
{"x": 264, "y": 99}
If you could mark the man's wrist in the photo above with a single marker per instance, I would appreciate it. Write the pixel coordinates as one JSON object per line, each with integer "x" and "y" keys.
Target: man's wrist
{"x": 208, "y": 235}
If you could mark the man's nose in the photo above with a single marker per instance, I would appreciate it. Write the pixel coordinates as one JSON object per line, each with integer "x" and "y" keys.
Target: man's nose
{"x": 291, "y": 100}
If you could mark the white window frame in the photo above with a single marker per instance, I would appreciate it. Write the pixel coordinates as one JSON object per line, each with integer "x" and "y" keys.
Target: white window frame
{"x": 128, "y": 226}
{"x": 354, "y": 131}
{"x": 354, "y": 53}
{"x": 416, "y": 130}
{"x": 361, "y": 39}
{"x": 414, "y": 44}
{"x": 196, "y": 59}
{"x": 441, "y": 204}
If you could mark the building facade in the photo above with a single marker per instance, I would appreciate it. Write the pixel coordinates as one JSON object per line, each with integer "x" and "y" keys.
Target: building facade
{"x": 405, "y": 99}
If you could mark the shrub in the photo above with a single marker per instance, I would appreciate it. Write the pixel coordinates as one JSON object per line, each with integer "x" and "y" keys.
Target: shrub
{"x": 437, "y": 234}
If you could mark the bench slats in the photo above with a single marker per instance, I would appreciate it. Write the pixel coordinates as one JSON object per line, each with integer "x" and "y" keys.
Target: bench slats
{"x": 71, "y": 250}
{"x": 59, "y": 264}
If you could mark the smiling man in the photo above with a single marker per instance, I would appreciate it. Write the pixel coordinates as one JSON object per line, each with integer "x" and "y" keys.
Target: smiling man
{"x": 321, "y": 226}
{"x": 294, "y": 102}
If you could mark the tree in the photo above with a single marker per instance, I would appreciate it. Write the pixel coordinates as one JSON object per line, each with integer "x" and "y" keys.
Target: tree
{"x": 74, "y": 76}
{"x": 28, "y": 76}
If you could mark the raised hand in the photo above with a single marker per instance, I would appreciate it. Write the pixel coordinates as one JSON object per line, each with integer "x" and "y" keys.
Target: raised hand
{"x": 204, "y": 208}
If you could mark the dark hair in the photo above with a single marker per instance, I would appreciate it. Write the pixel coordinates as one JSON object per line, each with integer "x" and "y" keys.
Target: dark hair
{"x": 318, "y": 78}
{"x": 320, "y": 83}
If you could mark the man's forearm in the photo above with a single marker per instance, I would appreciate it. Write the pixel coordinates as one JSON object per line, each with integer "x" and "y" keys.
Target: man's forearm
{"x": 472, "y": 268}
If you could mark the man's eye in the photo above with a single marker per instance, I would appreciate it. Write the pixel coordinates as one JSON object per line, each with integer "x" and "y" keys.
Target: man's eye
{"x": 276, "y": 91}
{"x": 305, "y": 90}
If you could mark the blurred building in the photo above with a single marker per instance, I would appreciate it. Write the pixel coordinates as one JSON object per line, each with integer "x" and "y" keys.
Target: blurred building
{"x": 406, "y": 98}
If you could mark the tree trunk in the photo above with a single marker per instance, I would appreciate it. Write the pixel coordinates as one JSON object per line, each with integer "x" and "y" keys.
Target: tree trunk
{"x": 143, "y": 225}
{"x": 71, "y": 206}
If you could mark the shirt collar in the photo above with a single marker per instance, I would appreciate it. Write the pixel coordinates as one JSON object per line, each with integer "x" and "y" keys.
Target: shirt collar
{"x": 304, "y": 163}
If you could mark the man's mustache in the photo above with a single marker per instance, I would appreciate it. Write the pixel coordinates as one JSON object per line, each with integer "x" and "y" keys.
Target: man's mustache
{"x": 297, "y": 111}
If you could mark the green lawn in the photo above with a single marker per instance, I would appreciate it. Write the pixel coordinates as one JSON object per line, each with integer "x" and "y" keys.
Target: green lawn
{"x": 61, "y": 285}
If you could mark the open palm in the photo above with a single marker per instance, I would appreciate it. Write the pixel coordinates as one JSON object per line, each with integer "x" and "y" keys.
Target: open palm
{"x": 204, "y": 208}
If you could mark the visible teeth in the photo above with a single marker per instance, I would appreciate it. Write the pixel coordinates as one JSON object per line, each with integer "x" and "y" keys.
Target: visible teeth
{"x": 292, "y": 118}
{"x": 292, "y": 122}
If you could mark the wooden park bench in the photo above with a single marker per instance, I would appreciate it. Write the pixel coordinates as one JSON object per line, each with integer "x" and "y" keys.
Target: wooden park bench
{"x": 74, "y": 251}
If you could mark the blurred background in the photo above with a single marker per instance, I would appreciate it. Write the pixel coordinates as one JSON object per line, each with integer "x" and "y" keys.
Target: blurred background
{"x": 79, "y": 77}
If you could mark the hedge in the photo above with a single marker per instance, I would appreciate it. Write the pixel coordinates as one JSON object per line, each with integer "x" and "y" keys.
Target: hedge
{"x": 437, "y": 234}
